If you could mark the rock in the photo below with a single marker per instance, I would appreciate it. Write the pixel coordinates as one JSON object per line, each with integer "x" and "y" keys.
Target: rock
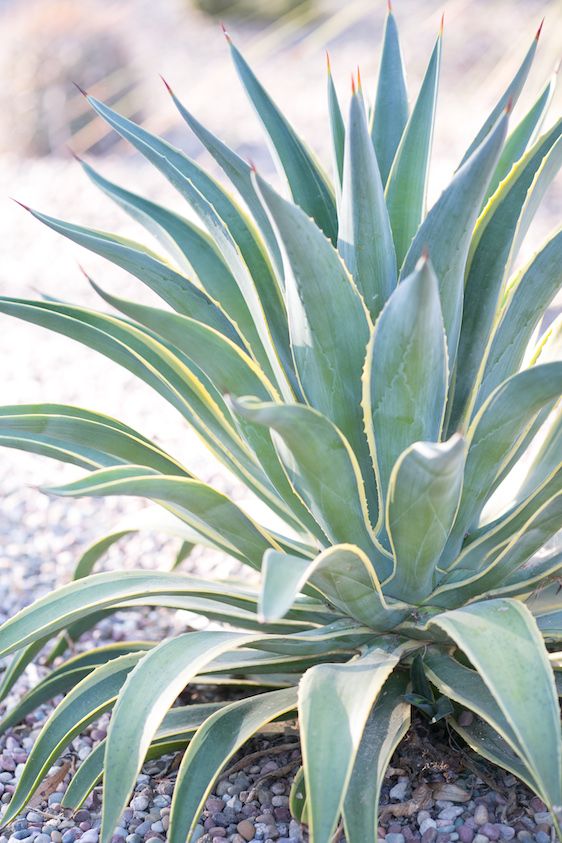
{"x": 481, "y": 815}
{"x": 139, "y": 803}
{"x": 540, "y": 817}
{"x": 427, "y": 823}
{"x": 542, "y": 837}
{"x": 480, "y": 838}
{"x": 490, "y": 831}
{"x": 466, "y": 833}
{"x": 394, "y": 838}
{"x": 429, "y": 835}
{"x": 506, "y": 831}
{"x": 246, "y": 829}
{"x": 450, "y": 813}
{"x": 399, "y": 791}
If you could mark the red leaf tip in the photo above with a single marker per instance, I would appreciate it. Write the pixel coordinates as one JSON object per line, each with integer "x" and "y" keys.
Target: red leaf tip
{"x": 74, "y": 155}
{"x": 168, "y": 88}
{"x": 225, "y": 32}
{"x": 352, "y": 84}
{"x": 539, "y": 30}
{"x": 442, "y": 24}
{"x": 425, "y": 254}
{"x": 82, "y": 91}
{"x": 21, "y": 204}
{"x": 389, "y": 6}
{"x": 253, "y": 167}
{"x": 509, "y": 106}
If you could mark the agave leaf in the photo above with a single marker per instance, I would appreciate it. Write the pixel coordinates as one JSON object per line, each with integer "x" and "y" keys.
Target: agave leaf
{"x": 502, "y": 641}
{"x": 527, "y": 298}
{"x": 83, "y": 438}
{"x": 328, "y": 323}
{"x": 509, "y": 97}
{"x": 76, "y": 600}
{"x": 405, "y": 375}
{"x": 177, "y": 379}
{"x": 423, "y": 496}
{"x": 498, "y": 555}
{"x": 456, "y": 212}
{"x": 153, "y": 270}
{"x": 66, "y": 676}
{"x": 18, "y": 664}
{"x": 214, "y": 744}
{"x": 390, "y": 113}
{"x": 487, "y": 743}
{"x": 176, "y": 729}
{"x": 230, "y": 370}
{"x": 406, "y": 187}
{"x": 309, "y": 185}
{"x": 334, "y": 704}
{"x": 364, "y": 236}
{"x": 546, "y": 458}
{"x": 387, "y": 724}
{"x": 297, "y": 798}
{"x": 205, "y": 509}
{"x": 492, "y": 252}
{"x": 499, "y": 426}
{"x": 248, "y": 261}
{"x": 337, "y": 128}
{"x": 335, "y": 496}
{"x": 238, "y": 171}
{"x": 465, "y": 686}
{"x": 343, "y": 573}
{"x": 191, "y": 247}
{"x": 523, "y": 134}
{"x": 84, "y": 703}
{"x": 143, "y": 702}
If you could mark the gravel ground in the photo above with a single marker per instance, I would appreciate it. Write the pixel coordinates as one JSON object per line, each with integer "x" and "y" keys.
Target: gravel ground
{"x": 431, "y": 797}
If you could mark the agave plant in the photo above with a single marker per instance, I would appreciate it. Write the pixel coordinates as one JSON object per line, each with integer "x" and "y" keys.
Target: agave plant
{"x": 371, "y": 371}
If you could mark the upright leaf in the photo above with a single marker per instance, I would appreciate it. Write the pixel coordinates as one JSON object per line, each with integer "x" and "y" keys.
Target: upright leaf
{"x": 405, "y": 376}
{"x": 337, "y": 129}
{"x": 328, "y": 323}
{"x": 491, "y": 254}
{"x": 390, "y": 113}
{"x": 309, "y": 185}
{"x": 406, "y": 187}
{"x": 364, "y": 236}
{"x": 455, "y": 212}
{"x": 510, "y": 95}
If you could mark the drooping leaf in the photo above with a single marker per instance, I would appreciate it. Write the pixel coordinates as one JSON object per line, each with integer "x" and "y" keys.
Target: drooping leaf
{"x": 502, "y": 641}
{"x": 343, "y": 573}
{"x": 214, "y": 744}
{"x": 334, "y": 704}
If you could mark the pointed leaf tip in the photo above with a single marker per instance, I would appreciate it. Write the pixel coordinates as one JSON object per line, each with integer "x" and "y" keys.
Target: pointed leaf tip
{"x": 509, "y": 106}
{"x": 225, "y": 32}
{"x": 17, "y": 201}
{"x": 358, "y": 78}
{"x": 328, "y": 65}
{"x": 539, "y": 30}
{"x": 442, "y": 24}
{"x": 168, "y": 88}
{"x": 352, "y": 84}
{"x": 74, "y": 155}
{"x": 82, "y": 91}
{"x": 389, "y": 6}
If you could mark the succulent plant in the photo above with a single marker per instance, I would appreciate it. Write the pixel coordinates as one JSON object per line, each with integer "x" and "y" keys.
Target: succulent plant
{"x": 372, "y": 372}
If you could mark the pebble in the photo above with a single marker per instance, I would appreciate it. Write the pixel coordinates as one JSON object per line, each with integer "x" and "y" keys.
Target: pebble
{"x": 480, "y": 838}
{"x": 246, "y": 829}
{"x": 394, "y": 838}
{"x": 399, "y": 790}
{"x": 481, "y": 815}
{"x": 426, "y": 823}
{"x": 466, "y": 833}
{"x": 542, "y": 837}
{"x": 429, "y": 835}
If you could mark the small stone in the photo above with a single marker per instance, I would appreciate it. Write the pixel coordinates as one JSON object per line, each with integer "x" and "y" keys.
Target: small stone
{"x": 139, "y": 803}
{"x": 423, "y": 815}
{"x": 198, "y": 832}
{"x": 246, "y": 829}
{"x": 154, "y": 840}
{"x": 399, "y": 791}
{"x": 506, "y": 831}
{"x": 542, "y": 837}
{"x": 480, "y": 838}
{"x": 543, "y": 817}
{"x": 429, "y": 835}
{"x": 490, "y": 831}
{"x": 222, "y": 787}
{"x": 450, "y": 813}
{"x": 157, "y": 827}
{"x": 481, "y": 815}
{"x": 133, "y": 838}
{"x": 217, "y": 832}
{"x": 466, "y": 833}
{"x": 56, "y": 836}
{"x": 394, "y": 838}
{"x": 427, "y": 823}
{"x": 525, "y": 836}
{"x": 34, "y": 817}
{"x": 537, "y": 804}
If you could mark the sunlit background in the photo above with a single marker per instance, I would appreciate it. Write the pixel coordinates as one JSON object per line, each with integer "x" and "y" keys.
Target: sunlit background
{"x": 116, "y": 50}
